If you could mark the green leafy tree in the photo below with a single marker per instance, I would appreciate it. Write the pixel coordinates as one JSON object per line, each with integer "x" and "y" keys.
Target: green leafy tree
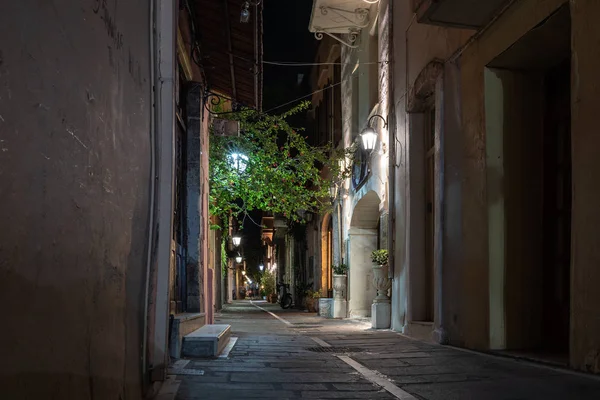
{"x": 280, "y": 172}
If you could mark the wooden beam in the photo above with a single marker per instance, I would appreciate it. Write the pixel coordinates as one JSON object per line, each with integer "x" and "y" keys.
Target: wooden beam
{"x": 230, "y": 48}
{"x": 184, "y": 58}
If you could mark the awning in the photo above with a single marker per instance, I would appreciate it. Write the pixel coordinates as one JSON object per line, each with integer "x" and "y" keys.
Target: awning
{"x": 231, "y": 50}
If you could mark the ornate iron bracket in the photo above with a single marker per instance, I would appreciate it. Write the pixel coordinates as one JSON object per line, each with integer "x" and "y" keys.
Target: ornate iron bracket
{"x": 361, "y": 15}
{"x": 353, "y": 35}
{"x": 359, "y": 21}
{"x": 211, "y": 99}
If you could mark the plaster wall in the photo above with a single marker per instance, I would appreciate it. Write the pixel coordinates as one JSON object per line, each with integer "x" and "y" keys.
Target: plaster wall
{"x": 75, "y": 157}
{"x": 519, "y": 19}
{"x": 585, "y": 252}
{"x": 475, "y": 268}
{"x": 415, "y": 46}
{"x": 364, "y": 94}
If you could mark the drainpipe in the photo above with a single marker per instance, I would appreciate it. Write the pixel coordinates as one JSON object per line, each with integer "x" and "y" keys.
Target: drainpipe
{"x": 164, "y": 89}
{"x": 392, "y": 145}
{"x": 150, "y": 245}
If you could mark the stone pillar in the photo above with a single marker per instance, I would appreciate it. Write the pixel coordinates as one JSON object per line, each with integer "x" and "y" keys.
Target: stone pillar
{"x": 194, "y": 276}
{"x": 381, "y": 307}
{"x": 361, "y": 291}
{"x": 340, "y": 305}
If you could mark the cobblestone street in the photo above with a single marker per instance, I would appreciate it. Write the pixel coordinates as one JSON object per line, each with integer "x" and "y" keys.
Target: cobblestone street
{"x": 287, "y": 354}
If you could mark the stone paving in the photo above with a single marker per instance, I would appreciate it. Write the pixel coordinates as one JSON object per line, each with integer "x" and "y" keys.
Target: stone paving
{"x": 276, "y": 359}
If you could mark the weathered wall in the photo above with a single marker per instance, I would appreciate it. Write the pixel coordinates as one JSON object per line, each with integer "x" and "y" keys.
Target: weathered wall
{"x": 365, "y": 92}
{"x": 415, "y": 47}
{"x": 74, "y": 182}
{"x": 474, "y": 270}
{"x": 585, "y": 252}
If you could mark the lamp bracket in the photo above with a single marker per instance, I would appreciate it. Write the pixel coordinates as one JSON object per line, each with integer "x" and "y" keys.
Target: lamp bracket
{"x": 211, "y": 99}
{"x": 351, "y": 20}
{"x": 385, "y": 123}
{"x": 360, "y": 15}
{"x": 352, "y": 36}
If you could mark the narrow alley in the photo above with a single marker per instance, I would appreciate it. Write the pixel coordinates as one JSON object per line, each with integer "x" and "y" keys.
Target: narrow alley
{"x": 289, "y": 354}
{"x": 303, "y": 199}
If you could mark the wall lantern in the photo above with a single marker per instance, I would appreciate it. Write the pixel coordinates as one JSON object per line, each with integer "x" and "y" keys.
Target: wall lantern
{"x": 332, "y": 192}
{"x": 237, "y": 239}
{"x": 245, "y": 13}
{"x": 309, "y": 216}
{"x": 261, "y": 267}
{"x": 369, "y": 136}
{"x": 238, "y": 259}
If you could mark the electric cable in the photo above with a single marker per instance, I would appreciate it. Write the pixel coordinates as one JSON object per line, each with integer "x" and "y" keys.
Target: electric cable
{"x": 305, "y": 63}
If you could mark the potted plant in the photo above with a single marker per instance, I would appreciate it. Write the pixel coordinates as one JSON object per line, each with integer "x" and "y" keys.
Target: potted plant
{"x": 268, "y": 282}
{"x": 303, "y": 292}
{"x": 312, "y": 300}
{"x": 381, "y": 281}
{"x": 380, "y": 257}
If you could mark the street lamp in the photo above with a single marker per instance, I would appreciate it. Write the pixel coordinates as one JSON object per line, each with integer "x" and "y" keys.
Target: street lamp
{"x": 238, "y": 259}
{"x": 238, "y": 161}
{"x": 237, "y": 239}
{"x": 261, "y": 267}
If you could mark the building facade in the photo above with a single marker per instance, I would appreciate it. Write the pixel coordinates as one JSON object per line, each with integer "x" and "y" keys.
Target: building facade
{"x": 104, "y": 179}
{"x": 488, "y": 183}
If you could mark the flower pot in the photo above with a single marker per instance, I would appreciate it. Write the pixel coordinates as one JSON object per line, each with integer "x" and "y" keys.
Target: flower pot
{"x": 340, "y": 283}
{"x": 326, "y": 307}
{"x": 309, "y": 302}
{"x": 382, "y": 283}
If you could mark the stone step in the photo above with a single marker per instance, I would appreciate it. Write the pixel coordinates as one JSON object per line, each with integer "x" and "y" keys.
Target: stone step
{"x": 183, "y": 324}
{"x": 206, "y": 342}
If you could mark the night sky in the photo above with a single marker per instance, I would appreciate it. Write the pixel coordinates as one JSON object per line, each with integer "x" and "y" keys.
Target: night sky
{"x": 286, "y": 38}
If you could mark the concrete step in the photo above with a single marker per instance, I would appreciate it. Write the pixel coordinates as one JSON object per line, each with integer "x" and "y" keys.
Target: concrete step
{"x": 183, "y": 324}
{"x": 206, "y": 342}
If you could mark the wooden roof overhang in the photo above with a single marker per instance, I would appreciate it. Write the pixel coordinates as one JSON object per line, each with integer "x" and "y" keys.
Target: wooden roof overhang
{"x": 231, "y": 51}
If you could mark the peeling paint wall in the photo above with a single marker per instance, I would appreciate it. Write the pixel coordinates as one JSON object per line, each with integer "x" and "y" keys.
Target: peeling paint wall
{"x": 75, "y": 183}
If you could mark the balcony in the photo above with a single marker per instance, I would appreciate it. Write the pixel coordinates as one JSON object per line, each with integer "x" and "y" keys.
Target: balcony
{"x": 470, "y": 14}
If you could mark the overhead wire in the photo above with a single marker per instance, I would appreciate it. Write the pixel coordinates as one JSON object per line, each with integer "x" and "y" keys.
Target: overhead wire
{"x": 305, "y": 96}
{"x": 305, "y": 63}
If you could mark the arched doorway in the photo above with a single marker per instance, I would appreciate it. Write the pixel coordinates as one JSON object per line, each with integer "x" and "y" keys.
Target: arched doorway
{"x": 326, "y": 256}
{"x": 363, "y": 239}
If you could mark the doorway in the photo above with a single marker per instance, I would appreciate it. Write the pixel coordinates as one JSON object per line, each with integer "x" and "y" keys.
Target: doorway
{"x": 363, "y": 239}
{"x": 527, "y": 107}
{"x": 327, "y": 256}
{"x": 430, "y": 173}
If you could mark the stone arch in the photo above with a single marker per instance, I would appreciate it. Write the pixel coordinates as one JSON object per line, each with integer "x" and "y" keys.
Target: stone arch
{"x": 424, "y": 87}
{"x": 362, "y": 240}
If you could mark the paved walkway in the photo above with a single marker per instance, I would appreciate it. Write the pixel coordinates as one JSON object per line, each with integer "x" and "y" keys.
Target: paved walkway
{"x": 302, "y": 356}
